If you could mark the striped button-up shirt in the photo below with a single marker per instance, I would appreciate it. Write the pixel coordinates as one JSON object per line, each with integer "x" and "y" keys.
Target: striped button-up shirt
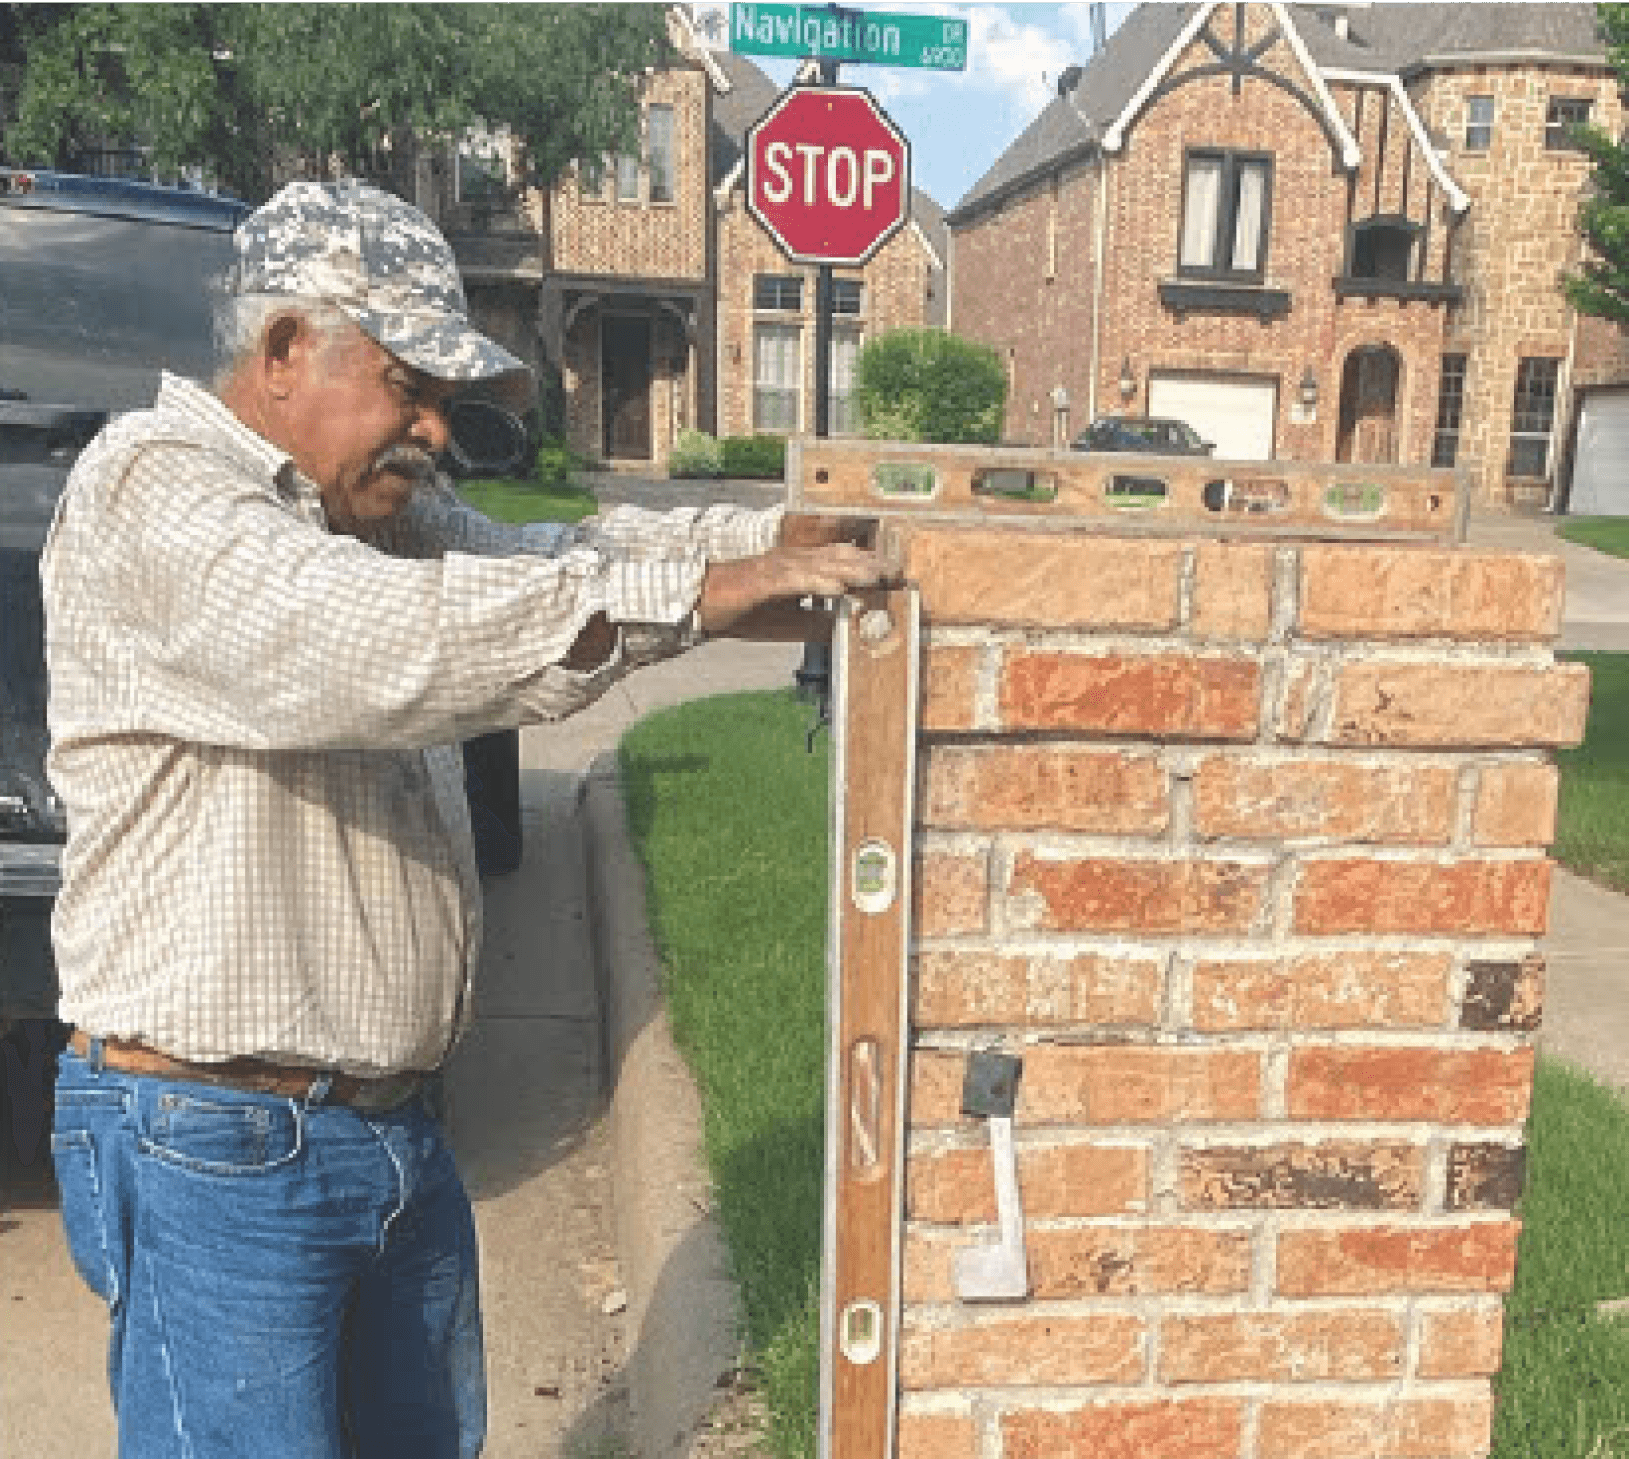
{"x": 254, "y": 725}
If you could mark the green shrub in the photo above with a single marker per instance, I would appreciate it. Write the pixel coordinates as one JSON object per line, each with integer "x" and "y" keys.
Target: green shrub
{"x": 555, "y": 463}
{"x": 757, "y": 456}
{"x": 930, "y": 385}
{"x": 695, "y": 453}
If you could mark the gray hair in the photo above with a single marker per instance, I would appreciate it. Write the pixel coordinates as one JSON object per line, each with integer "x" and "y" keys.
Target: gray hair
{"x": 241, "y": 321}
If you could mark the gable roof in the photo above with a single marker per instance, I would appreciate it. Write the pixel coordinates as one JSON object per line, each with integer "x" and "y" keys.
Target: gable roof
{"x": 1383, "y": 39}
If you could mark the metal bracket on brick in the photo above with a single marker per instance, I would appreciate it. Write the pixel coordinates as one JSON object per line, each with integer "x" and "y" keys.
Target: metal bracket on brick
{"x": 875, "y": 663}
{"x": 998, "y": 1273}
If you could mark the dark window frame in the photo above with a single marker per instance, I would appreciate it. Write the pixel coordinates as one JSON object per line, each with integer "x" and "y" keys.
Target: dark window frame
{"x": 1450, "y": 410}
{"x": 848, "y": 298}
{"x": 1382, "y": 223}
{"x": 769, "y": 293}
{"x": 1479, "y": 135}
{"x": 1561, "y": 115}
{"x": 1532, "y": 416}
{"x": 1227, "y": 215}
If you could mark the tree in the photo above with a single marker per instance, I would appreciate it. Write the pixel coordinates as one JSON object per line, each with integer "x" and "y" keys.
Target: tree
{"x": 233, "y": 89}
{"x": 1601, "y": 284}
{"x": 930, "y": 385}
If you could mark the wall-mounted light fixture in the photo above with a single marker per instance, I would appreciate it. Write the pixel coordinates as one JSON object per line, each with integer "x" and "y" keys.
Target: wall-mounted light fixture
{"x": 1308, "y": 389}
{"x": 1128, "y": 381}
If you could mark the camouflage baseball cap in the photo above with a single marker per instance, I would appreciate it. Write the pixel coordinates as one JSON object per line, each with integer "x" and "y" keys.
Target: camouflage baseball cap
{"x": 384, "y": 264}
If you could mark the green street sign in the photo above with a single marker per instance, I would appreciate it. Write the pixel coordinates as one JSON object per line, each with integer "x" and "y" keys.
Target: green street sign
{"x": 841, "y": 33}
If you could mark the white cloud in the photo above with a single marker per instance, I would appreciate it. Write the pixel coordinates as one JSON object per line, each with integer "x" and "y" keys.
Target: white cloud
{"x": 1016, "y": 56}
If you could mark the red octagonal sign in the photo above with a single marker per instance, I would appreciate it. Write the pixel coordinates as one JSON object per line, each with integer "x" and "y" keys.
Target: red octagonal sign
{"x": 828, "y": 174}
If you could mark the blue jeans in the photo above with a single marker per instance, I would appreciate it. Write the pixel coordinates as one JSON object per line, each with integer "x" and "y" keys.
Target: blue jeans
{"x": 286, "y": 1279}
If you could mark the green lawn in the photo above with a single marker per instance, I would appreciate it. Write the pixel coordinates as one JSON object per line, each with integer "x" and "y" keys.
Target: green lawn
{"x": 1564, "y": 1389}
{"x": 509, "y": 500}
{"x": 1592, "y": 832}
{"x": 728, "y": 812}
{"x": 1604, "y": 534}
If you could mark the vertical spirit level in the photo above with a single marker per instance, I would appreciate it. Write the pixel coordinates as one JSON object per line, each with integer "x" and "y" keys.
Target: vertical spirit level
{"x": 874, "y": 697}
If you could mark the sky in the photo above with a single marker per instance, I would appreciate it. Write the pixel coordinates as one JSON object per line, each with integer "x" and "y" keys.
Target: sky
{"x": 960, "y": 123}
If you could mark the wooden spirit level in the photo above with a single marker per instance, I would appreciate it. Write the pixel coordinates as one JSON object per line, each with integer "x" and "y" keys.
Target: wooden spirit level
{"x": 874, "y": 697}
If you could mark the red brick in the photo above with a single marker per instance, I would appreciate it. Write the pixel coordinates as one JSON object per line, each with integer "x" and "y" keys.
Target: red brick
{"x": 1354, "y": 894}
{"x": 1233, "y": 590}
{"x": 1515, "y": 805}
{"x": 963, "y": 989}
{"x": 1111, "y": 1085}
{"x": 1044, "y": 787}
{"x": 1374, "y": 1260}
{"x": 1461, "y": 1344}
{"x": 952, "y": 893}
{"x": 1171, "y": 696}
{"x": 1444, "y": 1085}
{"x": 1096, "y": 1261}
{"x": 1355, "y": 989}
{"x": 1203, "y": 1429}
{"x": 1301, "y": 1347}
{"x": 936, "y": 1087}
{"x": 1325, "y": 797}
{"x": 949, "y": 684}
{"x": 1333, "y": 1174}
{"x": 1024, "y": 1351}
{"x": 1116, "y": 894}
{"x": 1044, "y": 579}
{"x": 1064, "y": 1180}
{"x": 1398, "y": 592}
{"x": 1399, "y": 1428}
{"x": 937, "y": 1436}
{"x": 1452, "y": 704}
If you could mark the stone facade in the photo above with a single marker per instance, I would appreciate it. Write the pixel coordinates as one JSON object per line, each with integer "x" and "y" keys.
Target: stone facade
{"x": 1074, "y": 271}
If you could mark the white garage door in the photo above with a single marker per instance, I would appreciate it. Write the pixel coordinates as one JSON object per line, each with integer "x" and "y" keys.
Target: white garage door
{"x": 1236, "y": 414}
{"x": 1600, "y": 473}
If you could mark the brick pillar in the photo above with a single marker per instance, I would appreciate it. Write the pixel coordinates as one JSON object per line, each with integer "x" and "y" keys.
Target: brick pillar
{"x": 1240, "y": 845}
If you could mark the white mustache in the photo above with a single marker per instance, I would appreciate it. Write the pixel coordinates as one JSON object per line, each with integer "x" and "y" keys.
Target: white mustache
{"x": 407, "y": 459}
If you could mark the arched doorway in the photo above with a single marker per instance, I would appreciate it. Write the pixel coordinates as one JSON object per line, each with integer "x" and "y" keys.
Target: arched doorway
{"x": 1368, "y": 421}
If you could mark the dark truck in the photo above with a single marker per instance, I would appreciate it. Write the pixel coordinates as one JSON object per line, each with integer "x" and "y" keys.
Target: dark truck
{"x": 103, "y": 283}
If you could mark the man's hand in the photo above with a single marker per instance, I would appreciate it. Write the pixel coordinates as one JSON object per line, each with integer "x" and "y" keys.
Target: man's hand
{"x": 758, "y": 597}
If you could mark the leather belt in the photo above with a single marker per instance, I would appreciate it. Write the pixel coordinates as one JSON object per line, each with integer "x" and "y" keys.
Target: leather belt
{"x": 285, "y": 1080}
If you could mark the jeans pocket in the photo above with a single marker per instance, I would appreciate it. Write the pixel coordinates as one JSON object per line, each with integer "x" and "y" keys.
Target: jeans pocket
{"x": 84, "y": 1212}
{"x": 222, "y": 1136}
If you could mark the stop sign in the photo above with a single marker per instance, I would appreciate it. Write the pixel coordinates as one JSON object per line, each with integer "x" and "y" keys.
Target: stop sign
{"x": 828, "y": 174}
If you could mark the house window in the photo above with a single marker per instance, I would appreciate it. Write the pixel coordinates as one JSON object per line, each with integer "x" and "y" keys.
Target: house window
{"x": 783, "y": 292}
{"x": 842, "y": 416}
{"x": 627, "y": 178}
{"x": 1533, "y": 417}
{"x": 1563, "y": 114}
{"x": 1478, "y": 123}
{"x": 1450, "y": 410}
{"x": 847, "y": 296}
{"x": 662, "y": 163}
{"x": 1225, "y": 211}
{"x": 776, "y": 367}
{"x": 1382, "y": 248}
{"x": 591, "y": 177}
{"x": 482, "y": 174}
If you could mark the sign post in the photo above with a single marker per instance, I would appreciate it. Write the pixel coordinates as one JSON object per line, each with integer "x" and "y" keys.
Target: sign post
{"x": 828, "y": 176}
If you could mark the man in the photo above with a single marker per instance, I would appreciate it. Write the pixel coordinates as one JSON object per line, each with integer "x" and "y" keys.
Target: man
{"x": 264, "y": 615}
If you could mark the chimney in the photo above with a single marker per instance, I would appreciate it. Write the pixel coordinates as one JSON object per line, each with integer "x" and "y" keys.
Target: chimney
{"x": 1068, "y": 80}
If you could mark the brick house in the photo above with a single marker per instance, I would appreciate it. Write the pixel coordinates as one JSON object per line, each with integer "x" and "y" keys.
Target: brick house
{"x": 647, "y": 286}
{"x": 1316, "y": 232}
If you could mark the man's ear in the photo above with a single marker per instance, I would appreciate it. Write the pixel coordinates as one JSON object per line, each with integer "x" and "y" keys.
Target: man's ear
{"x": 285, "y": 350}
